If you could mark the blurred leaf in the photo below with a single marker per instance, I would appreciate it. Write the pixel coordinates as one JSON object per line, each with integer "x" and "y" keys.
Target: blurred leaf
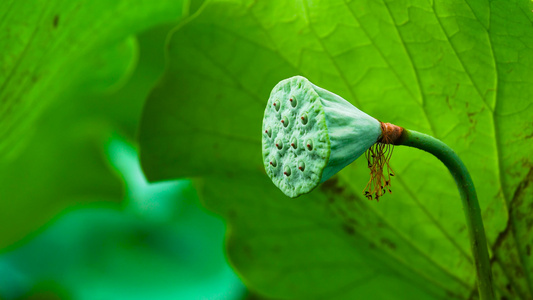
{"x": 102, "y": 252}
{"x": 63, "y": 165}
{"x": 47, "y": 47}
{"x": 195, "y": 5}
{"x": 106, "y": 253}
{"x": 122, "y": 108}
{"x": 46, "y": 291}
{"x": 459, "y": 70}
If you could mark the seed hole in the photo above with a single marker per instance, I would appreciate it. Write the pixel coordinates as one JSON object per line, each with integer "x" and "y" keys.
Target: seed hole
{"x": 309, "y": 144}
{"x": 301, "y": 166}
{"x": 285, "y": 122}
{"x": 304, "y": 119}
{"x": 294, "y": 143}
{"x": 279, "y": 144}
{"x": 268, "y": 132}
{"x": 273, "y": 163}
{"x": 287, "y": 171}
{"x": 276, "y": 105}
{"x": 293, "y": 101}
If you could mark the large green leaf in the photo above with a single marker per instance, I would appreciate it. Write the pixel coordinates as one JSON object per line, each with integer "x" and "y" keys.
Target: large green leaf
{"x": 48, "y": 47}
{"x": 458, "y": 70}
{"x": 62, "y": 165}
{"x": 160, "y": 243}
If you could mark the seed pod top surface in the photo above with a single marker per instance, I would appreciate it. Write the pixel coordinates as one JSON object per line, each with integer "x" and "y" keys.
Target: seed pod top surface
{"x": 311, "y": 134}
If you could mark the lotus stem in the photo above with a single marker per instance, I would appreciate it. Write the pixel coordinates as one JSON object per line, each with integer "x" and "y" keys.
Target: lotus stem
{"x": 474, "y": 222}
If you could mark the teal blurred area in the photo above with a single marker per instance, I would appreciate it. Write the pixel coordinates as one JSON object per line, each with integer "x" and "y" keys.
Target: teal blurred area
{"x": 78, "y": 220}
{"x": 159, "y": 244}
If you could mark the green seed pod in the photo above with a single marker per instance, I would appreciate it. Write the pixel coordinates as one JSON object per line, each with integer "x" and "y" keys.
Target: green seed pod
{"x": 333, "y": 133}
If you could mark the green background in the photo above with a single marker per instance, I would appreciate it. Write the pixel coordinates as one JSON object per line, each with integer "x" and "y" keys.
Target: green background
{"x": 87, "y": 85}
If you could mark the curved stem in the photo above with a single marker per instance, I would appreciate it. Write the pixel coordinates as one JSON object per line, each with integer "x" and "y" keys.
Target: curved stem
{"x": 476, "y": 231}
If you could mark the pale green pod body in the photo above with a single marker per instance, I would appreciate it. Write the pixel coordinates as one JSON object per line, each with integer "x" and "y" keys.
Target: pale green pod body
{"x": 309, "y": 134}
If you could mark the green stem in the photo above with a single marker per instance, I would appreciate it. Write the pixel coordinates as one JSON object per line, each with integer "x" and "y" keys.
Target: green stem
{"x": 476, "y": 231}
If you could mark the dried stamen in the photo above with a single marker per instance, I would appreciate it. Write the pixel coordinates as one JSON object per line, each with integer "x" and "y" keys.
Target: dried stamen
{"x": 378, "y": 157}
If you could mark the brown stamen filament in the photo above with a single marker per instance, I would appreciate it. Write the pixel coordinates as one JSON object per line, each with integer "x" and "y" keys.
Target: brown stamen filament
{"x": 378, "y": 157}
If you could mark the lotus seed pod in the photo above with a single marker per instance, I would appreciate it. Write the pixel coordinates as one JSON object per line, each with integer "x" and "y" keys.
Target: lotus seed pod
{"x": 332, "y": 134}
